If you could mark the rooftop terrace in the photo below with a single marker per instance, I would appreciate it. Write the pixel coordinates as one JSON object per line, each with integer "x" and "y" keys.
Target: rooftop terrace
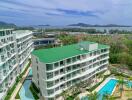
{"x": 58, "y": 53}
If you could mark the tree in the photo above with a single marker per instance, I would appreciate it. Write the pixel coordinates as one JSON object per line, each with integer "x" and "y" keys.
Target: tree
{"x": 121, "y": 82}
{"x": 93, "y": 96}
{"x": 107, "y": 96}
{"x": 64, "y": 94}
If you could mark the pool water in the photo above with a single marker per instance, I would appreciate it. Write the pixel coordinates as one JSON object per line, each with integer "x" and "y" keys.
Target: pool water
{"x": 30, "y": 72}
{"x": 25, "y": 93}
{"x": 107, "y": 88}
{"x": 129, "y": 84}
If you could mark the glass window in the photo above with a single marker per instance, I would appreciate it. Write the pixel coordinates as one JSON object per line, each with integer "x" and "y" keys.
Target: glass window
{"x": 61, "y": 63}
{"x": 61, "y": 71}
{"x": 36, "y": 60}
{"x": 50, "y": 84}
{"x": 74, "y": 67}
{"x": 56, "y": 73}
{"x": 49, "y": 75}
{"x": 68, "y": 69}
{"x": 56, "y": 65}
{"x": 68, "y": 83}
{"x": 57, "y": 81}
{"x": 50, "y": 92}
{"x": 78, "y": 57}
{"x": 74, "y": 59}
{"x": 49, "y": 67}
{"x": 68, "y": 76}
{"x": 56, "y": 89}
{"x": 68, "y": 60}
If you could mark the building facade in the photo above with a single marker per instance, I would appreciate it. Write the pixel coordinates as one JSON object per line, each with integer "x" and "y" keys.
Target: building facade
{"x": 15, "y": 48}
{"x": 44, "y": 41}
{"x": 57, "y": 69}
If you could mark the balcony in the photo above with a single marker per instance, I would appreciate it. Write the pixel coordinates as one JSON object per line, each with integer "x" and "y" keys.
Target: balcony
{"x": 3, "y": 58}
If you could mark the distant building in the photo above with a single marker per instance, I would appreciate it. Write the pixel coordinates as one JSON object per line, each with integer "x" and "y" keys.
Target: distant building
{"x": 44, "y": 41}
{"x": 57, "y": 69}
{"x": 15, "y": 49}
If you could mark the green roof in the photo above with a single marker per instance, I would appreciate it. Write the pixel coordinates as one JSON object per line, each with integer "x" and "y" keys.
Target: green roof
{"x": 59, "y": 53}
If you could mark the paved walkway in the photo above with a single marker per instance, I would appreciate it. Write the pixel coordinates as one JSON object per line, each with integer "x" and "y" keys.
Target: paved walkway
{"x": 19, "y": 85}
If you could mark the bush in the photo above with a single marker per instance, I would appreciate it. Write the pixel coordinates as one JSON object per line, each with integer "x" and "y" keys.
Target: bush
{"x": 17, "y": 96}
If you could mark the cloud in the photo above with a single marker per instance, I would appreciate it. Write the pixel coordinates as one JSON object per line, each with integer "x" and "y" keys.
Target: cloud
{"x": 60, "y": 12}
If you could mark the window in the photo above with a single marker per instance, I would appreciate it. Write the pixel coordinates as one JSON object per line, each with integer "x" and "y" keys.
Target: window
{"x": 2, "y": 33}
{"x": 56, "y": 73}
{"x": 50, "y": 92}
{"x": 62, "y": 86}
{"x": 68, "y": 69}
{"x": 56, "y": 89}
{"x": 83, "y": 56}
{"x": 1, "y": 50}
{"x": 68, "y": 83}
{"x": 61, "y": 71}
{"x": 68, "y": 76}
{"x": 57, "y": 81}
{"x": 78, "y": 58}
{"x": 37, "y": 75}
{"x": 74, "y": 67}
{"x": 38, "y": 82}
{"x": 49, "y": 67}
{"x": 91, "y": 54}
{"x": 68, "y": 60}
{"x": 74, "y": 59}
{"x": 49, "y": 75}
{"x": 62, "y": 79}
{"x": 61, "y": 63}
{"x": 37, "y": 61}
{"x": 37, "y": 68}
{"x": 56, "y": 65}
{"x": 50, "y": 84}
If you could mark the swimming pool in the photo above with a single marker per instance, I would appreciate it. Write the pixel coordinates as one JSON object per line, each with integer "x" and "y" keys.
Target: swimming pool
{"x": 107, "y": 88}
{"x": 25, "y": 93}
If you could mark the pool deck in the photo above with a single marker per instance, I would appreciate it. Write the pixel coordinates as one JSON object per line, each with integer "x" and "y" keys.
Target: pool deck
{"x": 19, "y": 85}
{"x": 102, "y": 84}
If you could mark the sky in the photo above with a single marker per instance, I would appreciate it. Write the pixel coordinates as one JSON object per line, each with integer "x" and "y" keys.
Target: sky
{"x": 64, "y": 12}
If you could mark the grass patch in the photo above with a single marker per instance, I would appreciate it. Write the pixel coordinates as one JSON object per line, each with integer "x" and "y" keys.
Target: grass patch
{"x": 10, "y": 91}
{"x": 34, "y": 91}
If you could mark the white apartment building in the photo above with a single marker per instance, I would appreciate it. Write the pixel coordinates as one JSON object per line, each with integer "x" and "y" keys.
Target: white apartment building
{"x": 15, "y": 49}
{"x": 57, "y": 69}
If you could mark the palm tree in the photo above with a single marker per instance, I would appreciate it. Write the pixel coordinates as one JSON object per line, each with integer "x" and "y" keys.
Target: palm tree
{"x": 93, "y": 96}
{"x": 121, "y": 82}
{"x": 129, "y": 80}
{"x": 108, "y": 97}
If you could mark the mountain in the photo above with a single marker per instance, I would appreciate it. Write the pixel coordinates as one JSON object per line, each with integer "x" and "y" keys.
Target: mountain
{"x": 89, "y": 25}
{"x": 44, "y": 25}
{"x": 6, "y": 25}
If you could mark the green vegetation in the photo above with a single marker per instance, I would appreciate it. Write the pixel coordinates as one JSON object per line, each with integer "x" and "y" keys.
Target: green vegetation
{"x": 17, "y": 96}
{"x": 34, "y": 91}
{"x": 120, "y": 46}
{"x": 10, "y": 91}
{"x": 93, "y": 96}
{"x": 121, "y": 82}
